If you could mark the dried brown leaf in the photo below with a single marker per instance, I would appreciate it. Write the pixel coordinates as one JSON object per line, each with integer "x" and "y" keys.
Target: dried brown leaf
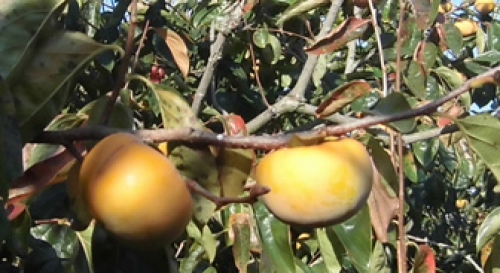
{"x": 341, "y": 97}
{"x": 350, "y": 29}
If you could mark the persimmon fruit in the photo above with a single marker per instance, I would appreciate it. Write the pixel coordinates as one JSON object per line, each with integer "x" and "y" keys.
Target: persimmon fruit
{"x": 484, "y": 6}
{"x": 135, "y": 192}
{"x": 316, "y": 185}
{"x": 467, "y": 27}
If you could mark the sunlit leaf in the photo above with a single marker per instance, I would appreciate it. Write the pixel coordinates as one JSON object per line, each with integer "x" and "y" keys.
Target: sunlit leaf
{"x": 177, "y": 47}
{"x": 175, "y": 111}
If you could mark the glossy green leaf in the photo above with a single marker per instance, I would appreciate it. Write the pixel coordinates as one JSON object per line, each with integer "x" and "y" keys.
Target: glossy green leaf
{"x": 430, "y": 55}
{"x": 395, "y": 103}
{"x": 275, "y": 45}
{"x": 413, "y": 39}
{"x": 327, "y": 248}
{"x": 426, "y": 150}
{"x": 451, "y": 77}
{"x": 275, "y": 239}
{"x": 474, "y": 67}
{"x": 11, "y": 145}
{"x": 415, "y": 78}
{"x": 453, "y": 37}
{"x": 61, "y": 237}
{"x": 43, "y": 90}
{"x": 85, "y": 238}
{"x": 488, "y": 229}
{"x": 482, "y": 135}
{"x": 356, "y": 236}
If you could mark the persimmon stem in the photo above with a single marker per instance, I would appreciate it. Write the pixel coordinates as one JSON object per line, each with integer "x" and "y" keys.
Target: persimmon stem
{"x": 255, "y": 191}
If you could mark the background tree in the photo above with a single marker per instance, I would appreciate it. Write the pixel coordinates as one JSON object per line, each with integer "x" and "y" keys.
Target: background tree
{"x": 224, "y": 83}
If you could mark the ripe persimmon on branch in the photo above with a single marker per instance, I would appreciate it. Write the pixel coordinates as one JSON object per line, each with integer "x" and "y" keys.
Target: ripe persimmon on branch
{"x": 268, "y": 142}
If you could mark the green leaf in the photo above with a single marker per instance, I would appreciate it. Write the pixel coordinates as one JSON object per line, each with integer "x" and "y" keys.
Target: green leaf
{"x": 425, "y": 150}
{"x": 415, "y": 78}
{"x": 23, "y": 24}
{"x": 209, "y": 243}
{"x": 454, "y": 38}
{"x": 489, "y": 57}
{"x": 62, "y": 238}
{"x": 450, "y": 76}
{"x": 430, "y": 55}
{"x": 395, "y": 103}
{"x": 327, "y": 248}
{"x": 275, "y": 239}
{"x": 175, "y": 111}
{"x": 356, "y": 236}
{"x": 488, "y": 229}
{"x": 482, "y": 135}
{"x": 261, "y": 37}
{"x": 494, "y": 36}
{"x": 200, "y": 166}
{"x": 378, "y": 260}
{"x": 85, "y": 238}
{"x": 44, "y": 88}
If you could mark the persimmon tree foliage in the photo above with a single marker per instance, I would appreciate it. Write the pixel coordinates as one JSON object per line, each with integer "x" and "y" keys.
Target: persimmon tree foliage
{"x": 216, "y": 85}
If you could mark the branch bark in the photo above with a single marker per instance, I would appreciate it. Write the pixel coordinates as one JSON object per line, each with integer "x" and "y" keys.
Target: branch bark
{"x": 266, "y": 142}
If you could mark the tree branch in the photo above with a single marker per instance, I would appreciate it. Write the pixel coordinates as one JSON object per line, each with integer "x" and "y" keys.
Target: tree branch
{"x": 297, "y": 93}
{"x": 266, "y": 142}
{"x": 213, "y": 60}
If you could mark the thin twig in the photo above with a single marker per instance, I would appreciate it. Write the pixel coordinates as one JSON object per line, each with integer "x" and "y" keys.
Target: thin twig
{"x": 141, "y": 45}
{"x": 255, "y": 191}
{"x": 206, "y": 79}
{"x": 122, "y": 70}
{"x": 380, "y": 48}
{"x": 401, "y": 210}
